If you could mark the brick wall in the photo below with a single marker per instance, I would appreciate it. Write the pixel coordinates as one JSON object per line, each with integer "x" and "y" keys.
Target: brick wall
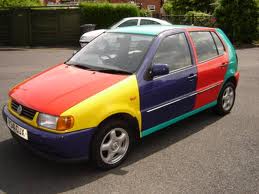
{"x": 146, "y": 3}
{"x": 119, "y": 1}
{"x": 45, "y": 2}
{"x": 143, "y": 3}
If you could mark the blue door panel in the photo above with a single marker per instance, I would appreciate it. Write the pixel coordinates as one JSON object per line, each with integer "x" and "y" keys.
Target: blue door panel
{"x": 169, "y": 87}
{"x": 174, "y": 89}
{"x": 156, "y": 117}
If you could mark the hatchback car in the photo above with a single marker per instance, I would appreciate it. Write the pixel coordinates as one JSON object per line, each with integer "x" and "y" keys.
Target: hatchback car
{"x": 130, "y": 21}
{"x": 126, "y": 84}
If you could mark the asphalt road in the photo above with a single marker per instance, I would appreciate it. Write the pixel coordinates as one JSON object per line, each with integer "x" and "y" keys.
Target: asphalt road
{"x": 203, "y": 154}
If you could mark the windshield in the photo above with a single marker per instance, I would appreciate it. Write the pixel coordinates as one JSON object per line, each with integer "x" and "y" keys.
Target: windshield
{"x": 113, "y": 51}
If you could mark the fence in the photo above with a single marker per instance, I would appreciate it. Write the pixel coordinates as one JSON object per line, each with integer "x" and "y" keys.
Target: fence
{"x": 59, "y": 25}
{"x": 40, "y": 26}
{"x": 209, "y": 21}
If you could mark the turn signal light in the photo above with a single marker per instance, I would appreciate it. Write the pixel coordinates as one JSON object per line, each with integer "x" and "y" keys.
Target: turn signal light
{"x": 64, "y": 123}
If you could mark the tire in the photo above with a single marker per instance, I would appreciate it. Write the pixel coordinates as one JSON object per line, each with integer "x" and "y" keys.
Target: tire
{"x": 226, "y": 99}
{"x": 111, "y": 144}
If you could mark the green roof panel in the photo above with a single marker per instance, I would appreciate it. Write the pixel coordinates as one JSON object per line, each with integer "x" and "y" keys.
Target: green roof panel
{"x": 151, "y": 30}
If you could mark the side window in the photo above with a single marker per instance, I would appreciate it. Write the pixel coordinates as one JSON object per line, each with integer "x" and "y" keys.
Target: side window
{"x": 148, "y": 22}
{"x": 205, "y": 46}
{"x": 129, "y": 23}
{"x": 219, "y": 44}
{"x": 174, "y": 51}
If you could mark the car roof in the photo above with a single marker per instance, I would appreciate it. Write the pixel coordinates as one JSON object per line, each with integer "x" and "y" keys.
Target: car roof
{"x": 154, "y": 30}
{"x": 149, "y": 18}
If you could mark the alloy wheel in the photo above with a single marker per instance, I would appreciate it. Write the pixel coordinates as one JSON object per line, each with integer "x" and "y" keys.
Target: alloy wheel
{"x": 114, "y": 145}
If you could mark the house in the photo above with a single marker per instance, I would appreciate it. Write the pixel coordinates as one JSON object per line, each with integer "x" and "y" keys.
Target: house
{"x": 152, "y": 5}
{"x": 60, "y": 2}
{"x": 49, "y": 2}
{"x": 155, "y": 6}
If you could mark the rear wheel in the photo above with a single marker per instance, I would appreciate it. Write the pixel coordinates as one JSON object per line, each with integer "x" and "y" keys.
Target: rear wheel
{"x": 111, "y": 144}
{"x": 226, "y": 99}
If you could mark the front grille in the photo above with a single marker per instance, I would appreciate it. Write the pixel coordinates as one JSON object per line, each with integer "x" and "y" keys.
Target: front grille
{"x": 26, "y": 112}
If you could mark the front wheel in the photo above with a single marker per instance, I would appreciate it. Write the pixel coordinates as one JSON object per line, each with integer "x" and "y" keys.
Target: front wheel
{"x": 226, "y": 99}
{"x": 111, "y": 144}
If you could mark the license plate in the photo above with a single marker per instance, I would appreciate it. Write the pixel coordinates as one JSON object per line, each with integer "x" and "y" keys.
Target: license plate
{"x": 17, "y": 129}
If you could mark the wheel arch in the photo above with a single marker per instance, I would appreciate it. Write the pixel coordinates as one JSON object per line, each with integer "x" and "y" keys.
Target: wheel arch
{"x": 133, "y": 122}
{"x": 233, "y": 80}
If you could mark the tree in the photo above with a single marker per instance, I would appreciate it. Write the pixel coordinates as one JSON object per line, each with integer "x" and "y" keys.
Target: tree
{"x": 183, "y": 6}
{"x": 206, "y": 6}
{"x": 238, "y": 18}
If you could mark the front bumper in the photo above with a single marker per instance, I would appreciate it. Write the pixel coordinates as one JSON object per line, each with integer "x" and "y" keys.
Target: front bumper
{"x": 68, "y": 146}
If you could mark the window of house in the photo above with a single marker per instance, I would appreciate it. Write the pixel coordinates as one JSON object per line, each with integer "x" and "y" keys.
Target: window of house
{"x": 174, "y": 51}
{"x": 148, "y": 22}
{"x": 204, "y": 44}
{"x": 151, "y": 7}
{"x": 129, "y": 23}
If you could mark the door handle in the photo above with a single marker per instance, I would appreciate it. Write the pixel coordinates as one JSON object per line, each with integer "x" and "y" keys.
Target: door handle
{"x": 224, "y": 64}
{"x": 192, "y": 76}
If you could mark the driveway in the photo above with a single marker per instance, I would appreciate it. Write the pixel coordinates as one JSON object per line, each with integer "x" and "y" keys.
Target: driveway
{"x": 203, "y": 154}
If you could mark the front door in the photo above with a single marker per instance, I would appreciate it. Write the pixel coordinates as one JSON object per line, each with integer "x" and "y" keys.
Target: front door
{"x": 166, "y": 97}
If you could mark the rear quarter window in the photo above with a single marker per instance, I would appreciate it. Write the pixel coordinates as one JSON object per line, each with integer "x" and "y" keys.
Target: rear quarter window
{"x": 218, "y": 43}
{"x": 148, "y": 22}
{"x": 133, "y": 22}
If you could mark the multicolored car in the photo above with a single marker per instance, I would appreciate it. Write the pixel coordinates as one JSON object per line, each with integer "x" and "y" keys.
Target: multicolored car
{"x": 124, "y": 85}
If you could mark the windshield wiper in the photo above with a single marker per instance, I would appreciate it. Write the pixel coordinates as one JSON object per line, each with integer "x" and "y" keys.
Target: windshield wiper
{"x": 82, "y": 66}
{"x": 114, "y": 71}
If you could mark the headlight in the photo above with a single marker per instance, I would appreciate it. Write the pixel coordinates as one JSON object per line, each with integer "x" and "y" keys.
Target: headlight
{"x": 53, "y": 122}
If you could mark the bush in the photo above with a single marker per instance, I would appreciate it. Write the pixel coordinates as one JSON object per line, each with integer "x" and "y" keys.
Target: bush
{"x": 106, "y": 14}
{"x": 197, "y": 14}
{"x": 145, "y": 13}
{"x": 199, "y": 18}
{"x": 167, "y": 8}
{"x": 19, "y": 3}
{"x": 181, "y": 7}
{"x": 238, "y": 19}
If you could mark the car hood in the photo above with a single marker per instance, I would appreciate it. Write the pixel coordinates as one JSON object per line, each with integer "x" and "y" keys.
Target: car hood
{"x": 61, "y": 87}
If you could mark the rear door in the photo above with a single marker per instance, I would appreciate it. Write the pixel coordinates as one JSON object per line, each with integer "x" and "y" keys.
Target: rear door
{"x": 212, "y": 61}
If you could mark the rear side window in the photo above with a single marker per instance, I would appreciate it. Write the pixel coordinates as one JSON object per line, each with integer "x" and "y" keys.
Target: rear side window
{"x": 219, "y": 44}
{"x": 148, "y": 22}
{"x": 129, "y": 23}
{"x": 174, "y": 51}
{"x": 205, "y": 46}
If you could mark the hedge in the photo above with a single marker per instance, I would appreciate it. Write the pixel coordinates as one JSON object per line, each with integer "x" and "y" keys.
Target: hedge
{"x": 145, "y": 13}
{"x": 19, "y": 3}
{"x": 106, "y": 14}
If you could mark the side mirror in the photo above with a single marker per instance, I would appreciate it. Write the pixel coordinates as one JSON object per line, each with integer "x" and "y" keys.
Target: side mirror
{"x": 159, "y": 69}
